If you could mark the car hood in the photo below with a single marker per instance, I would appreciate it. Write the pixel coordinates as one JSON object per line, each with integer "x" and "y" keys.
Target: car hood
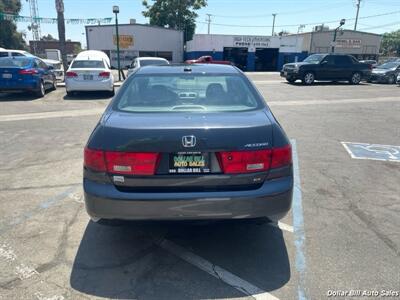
{"x": 297, "y": 64}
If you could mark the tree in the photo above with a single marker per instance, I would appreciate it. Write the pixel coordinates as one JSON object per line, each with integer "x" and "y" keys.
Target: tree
{"x": 391, "y": 43}
{"x": 9, "y": 36}
{"x": 176, "y": 14}
{"x": 48, "y": 37}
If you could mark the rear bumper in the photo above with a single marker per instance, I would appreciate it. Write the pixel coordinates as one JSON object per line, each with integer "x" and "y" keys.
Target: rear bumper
{"x": 73, "y": 85}
{"x": 273, "y": 200}
{"x": 19, "y": 87}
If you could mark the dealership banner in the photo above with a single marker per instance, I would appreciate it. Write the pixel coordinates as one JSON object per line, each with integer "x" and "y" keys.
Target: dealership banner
{"x": 18, "y": 18}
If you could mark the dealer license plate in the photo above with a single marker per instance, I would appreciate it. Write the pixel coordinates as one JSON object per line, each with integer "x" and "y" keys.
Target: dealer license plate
{"x": 87, "y": 77}
{"x": 189, "y": 163}
{"x": 7, "y": 76}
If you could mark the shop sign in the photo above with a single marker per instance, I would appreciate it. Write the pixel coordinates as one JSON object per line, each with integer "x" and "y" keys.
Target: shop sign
{"x": 251, "y": 41}
{"x": 125, "y": 41}
{"x": 348, "y": 43}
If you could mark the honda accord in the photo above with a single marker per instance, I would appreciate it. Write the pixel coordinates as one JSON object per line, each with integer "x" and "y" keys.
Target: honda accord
{"x": 187, "y": 142}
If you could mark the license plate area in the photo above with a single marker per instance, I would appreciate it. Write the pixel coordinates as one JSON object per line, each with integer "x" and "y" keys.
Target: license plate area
{"x": 189, "y": 163}
{"x": 7, "y": 76}
{"x": 87, "y": 77}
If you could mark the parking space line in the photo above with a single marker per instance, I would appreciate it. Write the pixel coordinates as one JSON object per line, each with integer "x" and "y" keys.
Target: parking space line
{"x": 333, "y": 101}
{"x": 282, "y": 226}
{"x": 234, "y": 281}
{"x": 298, "y": 225}
{"x": 52, "y": 114}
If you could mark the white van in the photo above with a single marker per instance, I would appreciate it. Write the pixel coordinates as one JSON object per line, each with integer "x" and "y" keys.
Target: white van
{"x": 89, "y": 71}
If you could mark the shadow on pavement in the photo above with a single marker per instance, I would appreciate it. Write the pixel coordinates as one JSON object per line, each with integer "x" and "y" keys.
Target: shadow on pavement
{"x": 324, "y": 83}
{"x": 10, "y": 97}
{"x": 126, "y": 261}
{"x": 88, "y": 96}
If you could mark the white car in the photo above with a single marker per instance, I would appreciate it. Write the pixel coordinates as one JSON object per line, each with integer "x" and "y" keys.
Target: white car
{"x": 146, "y": 61}
{"x": 89, "y": 71}
{"x": 57, "y": 67}
{"x": 12, "y": 52}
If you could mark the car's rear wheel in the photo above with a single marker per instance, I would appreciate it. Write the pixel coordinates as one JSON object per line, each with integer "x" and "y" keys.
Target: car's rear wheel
{"x": 308, "y": 78}
{"x": 41, "y": 90}
{"x": 54, "y": 86}
{"x": 290, "y": 79}
{"x": 355, "y": 78}
{"x": 391, "y": 79}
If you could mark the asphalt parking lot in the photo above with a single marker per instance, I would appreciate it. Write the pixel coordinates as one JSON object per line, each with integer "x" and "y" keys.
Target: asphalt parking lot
{"x": 342, "y": 234}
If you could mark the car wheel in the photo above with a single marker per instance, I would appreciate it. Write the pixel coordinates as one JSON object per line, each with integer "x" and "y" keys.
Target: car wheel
{"x": 41, "y": 91}
{"x": 391, "y": 79}
{"x": 112, "y": 93}
{"x": 70, "y": 94}
{"x": 355, "y": 78}
{"x": 290, "y": 80}
{"x": 308, "y": 78}
{"x": 54, "y": 86}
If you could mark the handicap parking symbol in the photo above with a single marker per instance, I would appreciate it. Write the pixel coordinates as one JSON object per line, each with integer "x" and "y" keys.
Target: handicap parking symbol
{"x": 373, "y": 151}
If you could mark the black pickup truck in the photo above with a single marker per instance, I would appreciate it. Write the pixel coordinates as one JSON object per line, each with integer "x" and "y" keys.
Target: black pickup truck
{"x": 333, "y": 67}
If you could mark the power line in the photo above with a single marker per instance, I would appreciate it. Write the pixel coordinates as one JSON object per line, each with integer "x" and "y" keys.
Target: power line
{"x": 306, "y": 24}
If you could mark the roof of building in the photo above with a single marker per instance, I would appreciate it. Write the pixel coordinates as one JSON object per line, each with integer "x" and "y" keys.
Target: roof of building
{"x": 135, "y": 24}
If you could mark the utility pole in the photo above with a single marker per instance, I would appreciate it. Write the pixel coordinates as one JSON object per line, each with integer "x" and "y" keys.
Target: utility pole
{"x": 273, "y": 24}
{"x": 61, "y": 32}
{"x": 35, "y": 24}
{"x": 209, "y": 22}
{"x": 358, "y": 10}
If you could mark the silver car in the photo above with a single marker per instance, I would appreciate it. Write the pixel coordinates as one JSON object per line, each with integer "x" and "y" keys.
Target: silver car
{"x": 146, "y": 61}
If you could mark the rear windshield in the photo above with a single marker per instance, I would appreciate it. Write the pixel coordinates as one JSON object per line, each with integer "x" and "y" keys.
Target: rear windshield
{"x": 87, "y": 64}
{"x": 188, "y": 92}
{"x": 149, "y": 62}
{"x": 14, "y": 62}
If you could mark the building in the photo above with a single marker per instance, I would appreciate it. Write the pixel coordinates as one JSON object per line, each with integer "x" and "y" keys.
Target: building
{"x": 39, "y": 47}
{"x": 136, "y": 40}
{"x": 270, "y": 53}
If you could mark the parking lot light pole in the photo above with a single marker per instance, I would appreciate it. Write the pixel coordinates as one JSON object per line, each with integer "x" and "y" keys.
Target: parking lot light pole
{"x": 342, "y": 22}
{"x": 116, "y": 11}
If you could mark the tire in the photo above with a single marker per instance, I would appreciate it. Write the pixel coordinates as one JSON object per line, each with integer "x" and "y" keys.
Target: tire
{"x": 308, "y": 78}
{"x": 54, "y": 86}
{"x": 70, "y": 94}
{"x": 41, "y": 91}
{"x": 290, "y": 80}
{"x": 112, "y": 93}
{"x": 355, "y": 78}
{"x": 391, "y": 79}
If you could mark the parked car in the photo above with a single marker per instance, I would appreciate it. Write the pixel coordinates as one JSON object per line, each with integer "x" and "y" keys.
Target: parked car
{"x": 208, "y": 60}
{"x": 58, "y": 68}
{"x": 89, "y": 71}
{"x": 26, "y": 73}
{"x": 371, "y": 62}
{"x": 385, "y": 73}
{"x": 12, "y": 52}
{"x": 330, "y": 67}
{"x": 146, "y": 61}
{"x": 187, "y": 142}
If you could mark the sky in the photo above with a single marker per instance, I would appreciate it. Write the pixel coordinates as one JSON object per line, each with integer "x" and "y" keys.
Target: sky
{"x": 244, "y": 17}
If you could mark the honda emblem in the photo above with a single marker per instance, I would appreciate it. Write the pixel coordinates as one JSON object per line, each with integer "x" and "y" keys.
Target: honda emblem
{"x": 188, "y": 141}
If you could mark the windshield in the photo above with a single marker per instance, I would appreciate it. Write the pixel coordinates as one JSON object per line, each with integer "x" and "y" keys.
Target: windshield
{"x": 314, "y": 59}
{"x": 175, "y": 92}
{"x": 14, "y": 62}
{"x": 148, "y": 62}
{"x": 87, "y": 64}
{"x": 389, "y": 65}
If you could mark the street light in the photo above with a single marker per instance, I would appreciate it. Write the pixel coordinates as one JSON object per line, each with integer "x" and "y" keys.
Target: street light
{"x": 342, "y": 22}
{"x": 116, "y": 12}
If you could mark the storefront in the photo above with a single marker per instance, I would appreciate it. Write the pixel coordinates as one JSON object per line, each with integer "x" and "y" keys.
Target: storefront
{"x": 136, "y": 40}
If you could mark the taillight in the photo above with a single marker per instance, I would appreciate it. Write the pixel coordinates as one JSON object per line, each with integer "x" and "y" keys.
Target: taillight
{"x": 131, "y": 163}
{"x": 71, "y": 74}
{"x": 235, "y": 162}
{"x": 28, "y": 72}
{"x": 94, "y": 160}
{"x": 281, "y": 157}
{"x": 104, "y": 74}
